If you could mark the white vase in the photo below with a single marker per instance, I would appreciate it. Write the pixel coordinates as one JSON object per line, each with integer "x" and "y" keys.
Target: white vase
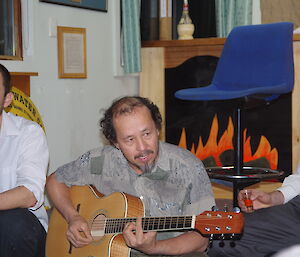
{"x": 185, "y": 31}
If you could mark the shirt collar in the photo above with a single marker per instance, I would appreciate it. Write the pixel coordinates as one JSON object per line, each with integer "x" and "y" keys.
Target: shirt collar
{"x": 163, "y": 162}
{"x": 8, "y": 126}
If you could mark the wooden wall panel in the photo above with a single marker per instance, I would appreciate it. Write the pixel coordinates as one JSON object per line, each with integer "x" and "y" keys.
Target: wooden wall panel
{"x": 296, "y": 108}
{"x": 152, "y": 78}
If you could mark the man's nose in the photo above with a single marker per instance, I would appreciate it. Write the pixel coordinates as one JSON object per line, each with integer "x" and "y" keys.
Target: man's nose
{"x": 141, "y": 144}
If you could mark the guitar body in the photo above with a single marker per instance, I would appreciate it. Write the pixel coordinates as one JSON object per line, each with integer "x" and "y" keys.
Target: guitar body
{"x": 91, "y": 205}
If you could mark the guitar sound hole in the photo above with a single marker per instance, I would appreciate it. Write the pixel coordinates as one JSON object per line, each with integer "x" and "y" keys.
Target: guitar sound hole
{"x": 98, "y": 227}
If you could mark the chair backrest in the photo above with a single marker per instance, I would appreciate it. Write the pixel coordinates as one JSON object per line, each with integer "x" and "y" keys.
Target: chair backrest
{"x": 24, "y": 107}
{"x": 257, "y": 56}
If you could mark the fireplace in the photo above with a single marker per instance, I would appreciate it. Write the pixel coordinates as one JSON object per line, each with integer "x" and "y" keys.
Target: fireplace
{"x": 160, "y": 56}
{"x": 206, "y": 128}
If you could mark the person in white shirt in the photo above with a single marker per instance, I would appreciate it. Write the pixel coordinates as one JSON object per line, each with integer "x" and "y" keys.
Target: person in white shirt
{"x": 292, "y": 251}
{"x": 272, "y": 226}
{"x": 24, "y": 160}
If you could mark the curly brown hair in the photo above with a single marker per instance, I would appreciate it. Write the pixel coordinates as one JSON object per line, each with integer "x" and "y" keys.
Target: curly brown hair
{"x": 6, "y": 79}
{"x": 126, "y": 105}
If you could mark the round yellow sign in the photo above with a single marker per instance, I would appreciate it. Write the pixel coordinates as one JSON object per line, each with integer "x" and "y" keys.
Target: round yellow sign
{"x": 24, "y": 107}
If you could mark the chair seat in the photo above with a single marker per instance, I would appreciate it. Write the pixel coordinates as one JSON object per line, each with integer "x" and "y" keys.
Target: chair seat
{"x": 212, "y": 92}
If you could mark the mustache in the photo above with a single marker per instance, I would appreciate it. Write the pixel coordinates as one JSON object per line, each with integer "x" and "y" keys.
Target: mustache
{"x": 143, "y": 153}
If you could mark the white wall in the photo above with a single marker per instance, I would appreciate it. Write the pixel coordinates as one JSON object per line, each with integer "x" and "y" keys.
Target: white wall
{"x": 70, "y": 108}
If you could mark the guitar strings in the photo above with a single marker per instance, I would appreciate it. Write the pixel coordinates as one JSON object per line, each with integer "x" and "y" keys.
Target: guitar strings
{"x": 152, "y": 223}
{"x": 126, "y": 220}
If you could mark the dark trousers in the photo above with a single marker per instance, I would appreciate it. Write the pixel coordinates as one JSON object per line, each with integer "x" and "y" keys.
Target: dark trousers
{"x": 21, "y": 234}
{"x": 266, "y": 232}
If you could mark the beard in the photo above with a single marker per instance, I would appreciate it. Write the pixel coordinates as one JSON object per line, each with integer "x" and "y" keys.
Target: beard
{"x": 146, "y": 167}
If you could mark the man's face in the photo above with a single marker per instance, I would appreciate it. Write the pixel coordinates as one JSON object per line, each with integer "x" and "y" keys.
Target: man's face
{"x": 137, "y": 138}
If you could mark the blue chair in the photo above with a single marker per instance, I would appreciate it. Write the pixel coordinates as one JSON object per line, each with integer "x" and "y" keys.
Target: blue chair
{"x": 256, "y": 65}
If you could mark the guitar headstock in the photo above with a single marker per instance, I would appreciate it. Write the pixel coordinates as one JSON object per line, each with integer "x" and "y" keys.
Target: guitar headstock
{"x": 219, "y": 223}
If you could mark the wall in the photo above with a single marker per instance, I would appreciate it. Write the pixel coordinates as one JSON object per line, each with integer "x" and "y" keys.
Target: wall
{"x": 71, "y": 108}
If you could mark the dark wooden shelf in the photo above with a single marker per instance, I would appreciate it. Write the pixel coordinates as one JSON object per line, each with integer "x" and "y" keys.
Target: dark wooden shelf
{"x": 184, "y": 43}
{"x": 21, "y": 80}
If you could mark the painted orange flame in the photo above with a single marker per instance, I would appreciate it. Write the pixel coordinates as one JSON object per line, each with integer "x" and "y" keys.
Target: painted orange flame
{"x": 214, "y": 148}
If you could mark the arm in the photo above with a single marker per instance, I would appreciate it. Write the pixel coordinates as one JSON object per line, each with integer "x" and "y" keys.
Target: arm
{"x": 18, "y": 197}
{"x": 261, "y": 199}
{"x": 30, "y": 167}
{"x": 291, "y": 185}
{"x": 59, "y": 194}
{"x": 183, "y": 244}
{"x": 147, "y": 243}
{"x": 289, "y": 189}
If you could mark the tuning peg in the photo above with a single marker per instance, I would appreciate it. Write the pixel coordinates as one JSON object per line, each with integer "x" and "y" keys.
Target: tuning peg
{"x": 232, "y": 236}
{"x": 210, "y": 242}
{"x": 232, "y": 244}
{"x": 221, "y": 244}
{"x": 214, "y": 208}
{"x": 236, "y": 210}
{"x": 225, "y": 209}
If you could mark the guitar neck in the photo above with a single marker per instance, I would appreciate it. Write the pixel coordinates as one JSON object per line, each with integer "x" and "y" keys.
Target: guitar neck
{"x": 152, "y": 223}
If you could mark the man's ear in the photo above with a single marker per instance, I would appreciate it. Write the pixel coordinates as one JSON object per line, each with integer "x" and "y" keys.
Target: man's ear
{"x": 8, "y": 99}
{"x": 158, "y": 133}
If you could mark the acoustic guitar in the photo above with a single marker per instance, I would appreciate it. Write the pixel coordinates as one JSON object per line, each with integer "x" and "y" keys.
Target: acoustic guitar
{"x": 107, "y": 216}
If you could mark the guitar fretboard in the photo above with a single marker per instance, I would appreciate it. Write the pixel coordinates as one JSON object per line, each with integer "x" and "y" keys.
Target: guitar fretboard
{"x": 152, "y": 223}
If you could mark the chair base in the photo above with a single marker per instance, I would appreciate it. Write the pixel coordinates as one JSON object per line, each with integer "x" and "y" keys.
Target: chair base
{"x": 248, "y": 176}
{"x": 228, "y": 173}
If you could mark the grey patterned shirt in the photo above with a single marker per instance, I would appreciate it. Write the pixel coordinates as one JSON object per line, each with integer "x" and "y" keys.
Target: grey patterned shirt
{"x": 178, "y": 184}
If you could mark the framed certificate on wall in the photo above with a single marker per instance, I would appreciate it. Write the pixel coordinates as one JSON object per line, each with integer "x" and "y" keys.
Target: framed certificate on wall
{"x": 71, "y": 44}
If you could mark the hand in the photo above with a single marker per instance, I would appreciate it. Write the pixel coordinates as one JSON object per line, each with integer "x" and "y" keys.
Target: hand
{"x": 260, "y": 200}
{"x": 136, "y": 238}
{"x": 78, "y": 232}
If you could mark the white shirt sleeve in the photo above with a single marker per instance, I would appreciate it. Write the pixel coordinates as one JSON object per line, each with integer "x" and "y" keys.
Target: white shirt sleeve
{"x": 291, "y": 186}
{"x": 33, "y": 162}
